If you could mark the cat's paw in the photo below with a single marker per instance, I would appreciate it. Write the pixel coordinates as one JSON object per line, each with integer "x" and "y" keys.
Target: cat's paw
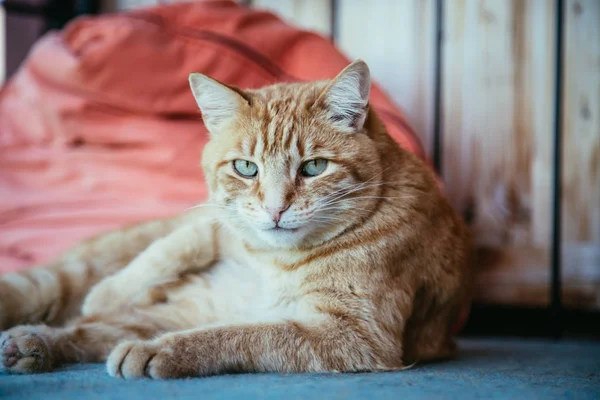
{"x": 113, "y": 294}
{"x": 22, "y": 351}
{"x": 150, "y": 359}
{"x": 107, "y": 296}
{"x": 101, "y": 298}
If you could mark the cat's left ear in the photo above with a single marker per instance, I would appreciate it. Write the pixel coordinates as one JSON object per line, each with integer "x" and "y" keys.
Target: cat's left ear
{"x": 346, "y": 98}
{"x": 219, "y": 103}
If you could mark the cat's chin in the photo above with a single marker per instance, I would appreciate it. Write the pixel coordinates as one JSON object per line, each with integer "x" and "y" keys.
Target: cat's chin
{"x": 282, "y": 238}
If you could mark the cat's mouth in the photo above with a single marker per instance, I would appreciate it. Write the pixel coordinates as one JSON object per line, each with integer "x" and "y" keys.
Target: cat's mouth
{"x": 278, "y": 228}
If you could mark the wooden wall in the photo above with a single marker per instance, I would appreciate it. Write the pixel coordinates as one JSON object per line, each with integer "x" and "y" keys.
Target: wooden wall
{"x": 581, "y": 152}
{"x": 498, "y": 96}
{"x": 2, "y": 45}
{"x": 498, "y": 87}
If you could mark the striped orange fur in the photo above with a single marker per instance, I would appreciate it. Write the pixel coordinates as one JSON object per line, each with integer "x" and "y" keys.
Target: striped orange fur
{"x": 324, "y": 247}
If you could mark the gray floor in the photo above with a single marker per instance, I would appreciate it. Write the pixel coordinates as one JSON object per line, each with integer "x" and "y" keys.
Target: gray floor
{"x": 503, "y": 369}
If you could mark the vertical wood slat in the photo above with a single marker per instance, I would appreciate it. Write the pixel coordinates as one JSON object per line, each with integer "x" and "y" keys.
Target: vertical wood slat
{"x": 498, "y": 85}
{"x": 3, "y": 57}
{"x": 122, "y": 5}
{"x": 581, "y": 155}
{"x": 436, "y": 135}
{"x": 312, "y": 15}
{"x": 497, "y": 127}
{"x": 397, "y": 40}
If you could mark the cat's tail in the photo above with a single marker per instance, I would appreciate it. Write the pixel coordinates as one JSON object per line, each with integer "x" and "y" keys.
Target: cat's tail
{"x": 53, "y": 294}
{"x": 42, "y": 294}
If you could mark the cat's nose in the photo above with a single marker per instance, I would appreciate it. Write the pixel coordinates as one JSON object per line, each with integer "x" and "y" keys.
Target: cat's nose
{"x": 276, "y": 212}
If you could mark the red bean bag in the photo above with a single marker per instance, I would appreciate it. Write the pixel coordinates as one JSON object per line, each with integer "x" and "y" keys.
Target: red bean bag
{"x": 99, "y": 129}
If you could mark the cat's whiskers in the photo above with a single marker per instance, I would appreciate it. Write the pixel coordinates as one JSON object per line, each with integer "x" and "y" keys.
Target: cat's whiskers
{"x": 346, "y": 188}
{"x": 354, "y": 190}
{"x": 347, "y": 209}
{"x": 353, "y": 199}
{"x": 376, "y": 197}
{"x": 327, "y": 217}
{"x": 206, "y": 205}
{"x": 354, "y": 185}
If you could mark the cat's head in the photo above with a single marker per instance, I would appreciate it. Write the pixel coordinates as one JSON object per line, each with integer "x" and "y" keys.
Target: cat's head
{"x": 291, "y": 164}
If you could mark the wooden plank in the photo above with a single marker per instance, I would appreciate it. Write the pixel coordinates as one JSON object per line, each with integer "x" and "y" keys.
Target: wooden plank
{"x": 397, "y": 40}
{"x": 581, "y": 155}
{"x": 497, "y": 127}
{"x": 2, "y": 44}
{"x": 122, "y": 5}
{"x": 314, "y": 15}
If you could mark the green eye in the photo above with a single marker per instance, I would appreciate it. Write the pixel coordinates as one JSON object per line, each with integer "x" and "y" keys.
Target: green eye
{"x": 245, "y": 168}
{"x": 313, "y": 167}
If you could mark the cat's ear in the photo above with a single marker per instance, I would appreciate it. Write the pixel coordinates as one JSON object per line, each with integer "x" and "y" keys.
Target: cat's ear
{"x": 218, "y": 102}
{"x": 346, "y": 98}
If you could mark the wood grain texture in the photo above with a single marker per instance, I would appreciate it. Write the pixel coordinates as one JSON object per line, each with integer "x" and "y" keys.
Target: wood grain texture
{"x": 498, "y": 96}
{"x": 397, "y": 40}
{"x": 581, "y": 154}
{"x": 2, "y": 44}
{"x": 312, "y": 15}
{"x": 122, "y": 5}
{"x": 497, "y": 137}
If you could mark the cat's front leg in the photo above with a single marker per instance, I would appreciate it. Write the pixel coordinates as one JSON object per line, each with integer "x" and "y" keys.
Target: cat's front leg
{"x": 191, "y": 247}
{"x": 287, "y": 347}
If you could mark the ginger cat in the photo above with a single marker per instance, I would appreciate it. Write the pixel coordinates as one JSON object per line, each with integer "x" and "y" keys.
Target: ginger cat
{"x": 324, "y": 247}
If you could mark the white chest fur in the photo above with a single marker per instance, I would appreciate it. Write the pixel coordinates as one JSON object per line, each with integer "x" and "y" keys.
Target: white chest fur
{"x": 234, "y": 291}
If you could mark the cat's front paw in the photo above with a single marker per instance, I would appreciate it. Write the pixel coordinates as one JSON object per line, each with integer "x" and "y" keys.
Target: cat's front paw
{"x": 113, "y": 294}
{"x": 22, "y": 351}
{"x": 107, "y": 296}
{"x": 98, "y": 300}
{"x": 149, "y": 359}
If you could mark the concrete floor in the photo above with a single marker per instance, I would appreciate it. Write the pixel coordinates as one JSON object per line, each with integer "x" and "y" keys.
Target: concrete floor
{"x": 486, "y": 368}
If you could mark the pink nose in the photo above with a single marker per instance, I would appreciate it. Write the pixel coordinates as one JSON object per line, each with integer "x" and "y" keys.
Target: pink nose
{"x": 276, "y": 213}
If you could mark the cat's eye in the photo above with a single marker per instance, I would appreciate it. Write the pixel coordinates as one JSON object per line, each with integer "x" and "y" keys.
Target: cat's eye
{"x": 245, "y": 168}
{"x": 313, "y": 167}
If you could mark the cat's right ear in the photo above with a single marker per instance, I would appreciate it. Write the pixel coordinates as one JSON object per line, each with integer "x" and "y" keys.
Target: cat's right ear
{"x": 218, "y": 102}
{"x": 346, "y": 98}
